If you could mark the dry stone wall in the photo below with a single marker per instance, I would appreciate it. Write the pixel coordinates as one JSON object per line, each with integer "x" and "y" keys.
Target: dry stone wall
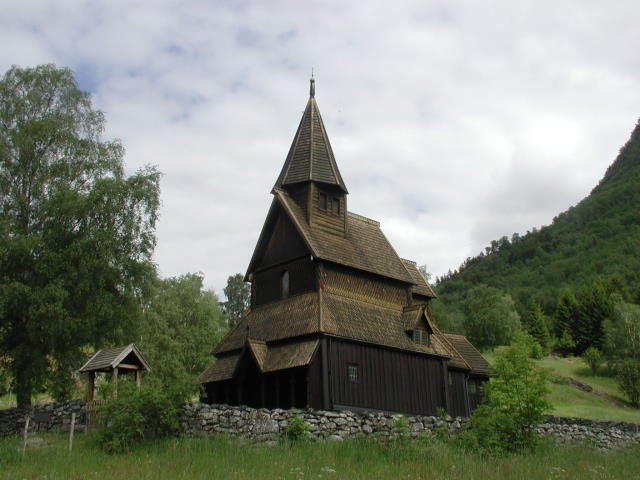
{"x": 269, "y": 425}
{"x": 42, "y": 418}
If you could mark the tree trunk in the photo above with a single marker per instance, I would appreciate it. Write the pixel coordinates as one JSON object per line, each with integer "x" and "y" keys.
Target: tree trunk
{"x": 24, "y": 387}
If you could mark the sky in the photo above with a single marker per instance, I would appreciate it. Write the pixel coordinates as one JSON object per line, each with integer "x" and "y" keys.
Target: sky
{"x": 453, "y": 123}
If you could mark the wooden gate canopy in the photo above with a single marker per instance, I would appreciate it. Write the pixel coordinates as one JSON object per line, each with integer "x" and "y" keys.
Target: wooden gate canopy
{"x": 116, "y": 360}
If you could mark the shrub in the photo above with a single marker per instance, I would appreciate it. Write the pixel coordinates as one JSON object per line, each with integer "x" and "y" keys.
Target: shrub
{"x": 565, "y": 343}
{"x": 593, "y": 358}
{"x": 516, "y": 403}
{"x": 530, "y": 344}
{"x": 297, "y": 429}
{"x": 629, "y": 380}
{"x": 134, "y": 416}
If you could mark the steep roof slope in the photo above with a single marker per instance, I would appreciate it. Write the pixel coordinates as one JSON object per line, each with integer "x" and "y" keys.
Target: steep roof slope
{"x": 364, "y": 247}
{"x": 310, "y": 157}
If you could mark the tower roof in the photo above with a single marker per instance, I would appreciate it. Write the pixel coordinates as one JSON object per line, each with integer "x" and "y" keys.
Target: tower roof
{"x": 310, "y": 157}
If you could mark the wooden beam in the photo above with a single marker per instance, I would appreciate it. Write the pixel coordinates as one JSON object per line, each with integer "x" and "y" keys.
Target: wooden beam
{"x": 262, "y": 393}
{"x": 445, "y": 378}
{"x": 91, "y": 386}
{"x": 129, "y": 366}
{"x": 326, "y": 399}
{"x": 138, "y": 377}
{"x": 115, "y": 382}
{"x": 292, "y": 388}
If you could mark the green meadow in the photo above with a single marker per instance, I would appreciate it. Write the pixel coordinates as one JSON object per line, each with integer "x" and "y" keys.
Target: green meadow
{"x": 220, "y": 458}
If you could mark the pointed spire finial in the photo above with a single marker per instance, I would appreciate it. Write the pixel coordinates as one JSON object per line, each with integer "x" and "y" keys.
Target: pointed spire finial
{"x": 312, "y": 86}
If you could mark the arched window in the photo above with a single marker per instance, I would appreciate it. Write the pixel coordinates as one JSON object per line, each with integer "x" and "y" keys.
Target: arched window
{"x": 285, "y": 284}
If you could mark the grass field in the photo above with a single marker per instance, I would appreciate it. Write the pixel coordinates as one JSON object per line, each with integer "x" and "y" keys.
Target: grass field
{"x": 218, "y": 458}
{"x": 569, "y": 401}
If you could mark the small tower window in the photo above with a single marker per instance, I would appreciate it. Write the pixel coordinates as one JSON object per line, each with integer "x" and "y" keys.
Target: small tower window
{"x": 322, "y": 201}
{"x": 285, "y": 284}
{"x": 336, "y": 206}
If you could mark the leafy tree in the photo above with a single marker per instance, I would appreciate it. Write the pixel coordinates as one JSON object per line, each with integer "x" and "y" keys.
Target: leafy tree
{"x": 622, "y": 333}
{"x": 238, "y": 294}
{"x": 179, "y": 327}
{"x": 593, "y": 358}
{"x": 629, "y": 380}
{"x": 425, "y": 273}
{"x": 76, "y": 234}
{"x": 535, "y": 324}
{"x": 491, "y": 317}
{"x": 516, "y": 401}
{"x": 448, "y": 318}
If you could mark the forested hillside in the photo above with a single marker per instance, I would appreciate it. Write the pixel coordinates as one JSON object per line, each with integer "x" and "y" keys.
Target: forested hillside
{"x": 597, "y": 239}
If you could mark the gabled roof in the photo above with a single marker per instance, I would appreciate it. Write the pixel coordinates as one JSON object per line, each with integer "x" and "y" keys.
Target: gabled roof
{"x": 420, "y": 285}
{"x": 317, "y": 313}
{"x": 223, "y": 368}
{"x": 471, "y": 355}
{"x": 310, "y": 157}
{"x": 364, "y": 246}
{"x": 259, "y": 350}
{"x": 110, "y": 358}
{"x": 270, "y": 359}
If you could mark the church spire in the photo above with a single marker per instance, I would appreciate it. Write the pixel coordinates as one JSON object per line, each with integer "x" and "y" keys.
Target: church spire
{"x": 310, "y": 157}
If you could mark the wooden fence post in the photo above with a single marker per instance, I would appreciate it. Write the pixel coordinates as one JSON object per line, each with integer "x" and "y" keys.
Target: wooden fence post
{"x": 71, "y": 429}
{"x": 25, "y": 434}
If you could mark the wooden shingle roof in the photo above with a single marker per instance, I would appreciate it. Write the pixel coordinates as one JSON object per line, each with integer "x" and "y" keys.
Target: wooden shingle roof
{"x": 471, "y": 355}
{"x": 270, "y": 359}
{"x": 420, "y": 285}
{"x": 364, "y": 246}
{"x": 310, "y": 157}
{"x": 109, "y": 358}
{"x": 222, "y": 369}
{"x": 327, "y": 313}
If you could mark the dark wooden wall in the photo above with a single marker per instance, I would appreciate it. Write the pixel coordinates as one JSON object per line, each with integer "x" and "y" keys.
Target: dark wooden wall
{"x": 325, "y": 220}
{"x": 388, "y": 380}
{"x": 285, "y": 244}
{"x": 300, "y": 194}
{"x": 475, "y": 398}
{"x": 458, "y": 406}
{"x": 267, "y": 283}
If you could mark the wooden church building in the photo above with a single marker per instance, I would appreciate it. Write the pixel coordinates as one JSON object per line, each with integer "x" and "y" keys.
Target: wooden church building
{"x": 337, "y": 319}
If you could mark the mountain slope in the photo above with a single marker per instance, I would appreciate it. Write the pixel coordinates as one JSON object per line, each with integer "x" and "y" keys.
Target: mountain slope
{"x": 599, "y": 237}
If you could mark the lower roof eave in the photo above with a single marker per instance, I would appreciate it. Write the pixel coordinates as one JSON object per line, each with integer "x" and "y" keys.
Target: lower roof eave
{"x": 386, "y": 347}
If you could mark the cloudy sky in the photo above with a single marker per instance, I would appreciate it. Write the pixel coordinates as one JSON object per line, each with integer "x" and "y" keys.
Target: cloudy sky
{"x": 453, "y": 122}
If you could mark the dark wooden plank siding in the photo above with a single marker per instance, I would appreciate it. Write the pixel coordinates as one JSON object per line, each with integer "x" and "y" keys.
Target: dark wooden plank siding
{"x": 476, "y": 394}
{"x": 268, "y": 283}
{"x": 387, "y": 380}
{"x": 314, "y": 381}
{"x": 457, "y": 393}
{"x": 285, "y": 244}
{"x": 328, "y": 221}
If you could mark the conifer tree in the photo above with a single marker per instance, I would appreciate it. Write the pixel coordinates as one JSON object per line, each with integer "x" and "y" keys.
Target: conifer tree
{"x": 535, "y": 324}
{"x": 595, "y": 306}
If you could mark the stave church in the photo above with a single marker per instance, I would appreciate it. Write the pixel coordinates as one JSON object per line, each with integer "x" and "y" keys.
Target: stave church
{"x": 338, "y": 321}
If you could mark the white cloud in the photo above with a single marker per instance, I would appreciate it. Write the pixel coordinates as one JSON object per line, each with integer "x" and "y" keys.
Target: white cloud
{"x": 453, "y": 123}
